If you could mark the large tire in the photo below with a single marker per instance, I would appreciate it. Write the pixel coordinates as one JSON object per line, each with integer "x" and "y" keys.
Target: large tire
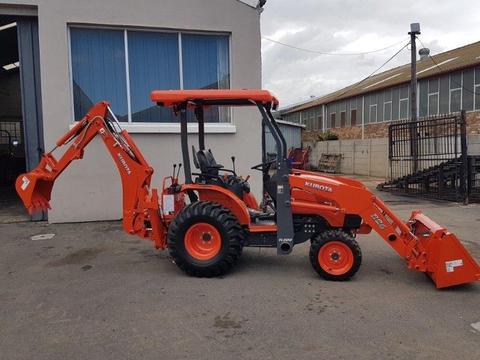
{"x": 335, "y": 255}
{"x": 205, "y": 239}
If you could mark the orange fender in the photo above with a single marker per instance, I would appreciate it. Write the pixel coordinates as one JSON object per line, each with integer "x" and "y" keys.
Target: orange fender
{"x": 223, "y": 197}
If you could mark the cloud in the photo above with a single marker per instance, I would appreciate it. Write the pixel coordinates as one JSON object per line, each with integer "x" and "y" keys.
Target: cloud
{"x": 346, "y": 26}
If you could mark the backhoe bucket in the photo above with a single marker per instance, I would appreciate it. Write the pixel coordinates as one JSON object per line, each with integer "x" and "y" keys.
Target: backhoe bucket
{"x": 448, "y": 262}
{"x": 35, "y": 188}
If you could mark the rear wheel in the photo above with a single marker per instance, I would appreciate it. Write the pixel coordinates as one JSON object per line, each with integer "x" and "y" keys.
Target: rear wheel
{"x": 205, "y": 239}
{"x": 335, "y": 255}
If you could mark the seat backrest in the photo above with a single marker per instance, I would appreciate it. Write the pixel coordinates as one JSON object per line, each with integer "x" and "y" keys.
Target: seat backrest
{"x": 211, "y": 160}
{"x": 207, "y": 162}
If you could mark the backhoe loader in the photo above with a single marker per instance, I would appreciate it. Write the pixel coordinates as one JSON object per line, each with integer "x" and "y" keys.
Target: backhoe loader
{"x": 206, "y": 221}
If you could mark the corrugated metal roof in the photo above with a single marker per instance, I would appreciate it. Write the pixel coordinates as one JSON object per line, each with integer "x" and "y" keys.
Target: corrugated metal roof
{"x": 289, "y": 123}
{"x": 448, "y": 61}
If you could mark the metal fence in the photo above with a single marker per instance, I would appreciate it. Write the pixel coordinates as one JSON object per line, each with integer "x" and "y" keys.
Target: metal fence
{"x": 474, "y": 179}
{"x": 428, "y": 158}
{"x": 10, "y": 130}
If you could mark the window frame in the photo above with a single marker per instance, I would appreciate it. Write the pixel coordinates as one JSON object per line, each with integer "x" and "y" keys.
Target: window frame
{"x": 385, "y": 103}
{"x": 356, "y": 112}
{"x": 437, "y": 93}
{"x": 459, "y": 88}
{"x": 334, "y": 114}
{"x": 154, "y": 127}
{"x": 400, "y": 100}
{"x": 476, "y": 89}
{"x": 318, "y": 122}
{"x": 343, "y": 122}
{"x": 370, "y": 113}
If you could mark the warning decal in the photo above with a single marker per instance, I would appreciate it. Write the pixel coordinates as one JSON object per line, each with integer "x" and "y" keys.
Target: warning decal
{"x": 451, "y": 265}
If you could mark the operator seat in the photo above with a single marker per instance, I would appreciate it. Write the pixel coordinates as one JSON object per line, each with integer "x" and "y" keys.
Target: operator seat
{"x": 208, "y": 164}
{"x": 209, "y": 169}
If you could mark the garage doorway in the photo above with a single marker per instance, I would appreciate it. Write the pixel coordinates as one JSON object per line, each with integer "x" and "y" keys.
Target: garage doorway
{"x": 21, "y": 133}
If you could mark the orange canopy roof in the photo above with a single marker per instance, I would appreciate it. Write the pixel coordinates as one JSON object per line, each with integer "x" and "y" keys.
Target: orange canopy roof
{"x": 213, "y": 97}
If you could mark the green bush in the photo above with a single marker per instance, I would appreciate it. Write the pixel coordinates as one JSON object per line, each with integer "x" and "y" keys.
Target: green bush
{"x": 328, "y": 135}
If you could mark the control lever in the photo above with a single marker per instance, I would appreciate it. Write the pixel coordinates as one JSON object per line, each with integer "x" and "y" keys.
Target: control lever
{"x": 233, "y": 164}
{"x": 178, "y": 172}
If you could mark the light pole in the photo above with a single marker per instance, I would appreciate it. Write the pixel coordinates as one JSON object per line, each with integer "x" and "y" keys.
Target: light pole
{"x": 414, "y": 31}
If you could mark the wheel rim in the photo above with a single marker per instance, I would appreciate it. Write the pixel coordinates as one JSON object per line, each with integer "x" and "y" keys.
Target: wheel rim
{"x": 203, "y": 241}
{"x": 335, "y": 257}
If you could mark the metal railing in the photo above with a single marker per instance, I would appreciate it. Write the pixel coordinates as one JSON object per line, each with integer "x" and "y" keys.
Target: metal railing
{"x": 429, "y": 158}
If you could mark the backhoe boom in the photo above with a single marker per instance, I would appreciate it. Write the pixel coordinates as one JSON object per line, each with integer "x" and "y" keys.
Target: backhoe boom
{"x": 140, "y": 203}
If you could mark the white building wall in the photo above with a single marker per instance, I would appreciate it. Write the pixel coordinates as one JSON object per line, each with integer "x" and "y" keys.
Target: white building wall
{"x": 90, "y": 189}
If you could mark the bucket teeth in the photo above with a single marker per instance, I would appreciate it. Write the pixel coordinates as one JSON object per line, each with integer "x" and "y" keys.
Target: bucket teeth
{"x": 38, "y": 206}
{"x": 34, "y": 188}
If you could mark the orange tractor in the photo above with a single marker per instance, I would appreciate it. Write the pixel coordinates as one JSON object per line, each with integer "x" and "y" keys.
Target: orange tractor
{"x": 206, "y": 221}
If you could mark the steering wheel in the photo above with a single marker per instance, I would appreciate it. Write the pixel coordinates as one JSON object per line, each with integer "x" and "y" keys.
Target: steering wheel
{"x": 264, "y": 166}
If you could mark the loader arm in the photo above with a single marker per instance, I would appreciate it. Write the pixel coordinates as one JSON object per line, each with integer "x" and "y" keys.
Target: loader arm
{"x": 140, "y": 203}
{"x": 422, "y": 243}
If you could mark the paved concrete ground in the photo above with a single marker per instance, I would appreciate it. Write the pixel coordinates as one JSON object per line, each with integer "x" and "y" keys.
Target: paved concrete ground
{"x": 11, "y": 209}
{"x": 93, "y": 292}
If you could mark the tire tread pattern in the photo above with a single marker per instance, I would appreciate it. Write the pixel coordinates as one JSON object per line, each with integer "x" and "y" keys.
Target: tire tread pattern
{"x": 224, "y": 220}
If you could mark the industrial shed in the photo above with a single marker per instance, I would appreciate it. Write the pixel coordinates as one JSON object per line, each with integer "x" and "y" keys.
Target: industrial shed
{"x": 447, "y": 82}
{"x": 292, "y": 133}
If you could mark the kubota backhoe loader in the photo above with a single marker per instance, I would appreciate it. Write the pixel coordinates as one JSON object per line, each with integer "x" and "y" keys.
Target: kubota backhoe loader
{"x": 206, "y": 221}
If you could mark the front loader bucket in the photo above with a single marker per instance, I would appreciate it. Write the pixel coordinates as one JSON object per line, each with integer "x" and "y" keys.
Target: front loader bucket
{"x": 448, "y": 262}
{"x": 35, "y": 187}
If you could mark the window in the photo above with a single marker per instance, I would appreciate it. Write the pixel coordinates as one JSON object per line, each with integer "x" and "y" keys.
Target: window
{"x": 433, "y": 97}
{"x": 403, "y": 103}
{"x": 124, "y": 66}
{"x": 332, "y": 120}
{"x": 432, "y": 104}
{"x": 205, "y": 66}
{"x": 387, "y": 111}
{"x": 395, "y": 103}
{"x": 387, "y": 106}
{"x": 444, "y": 94}
{"x": 373, "y": 113}
{"x": 423, "y": 98}
{"x": 468, "y": 89}
{"x": 293, "y": 117}
{"x": 319, "y": 123}
{"x": 477, "y": 88}
{"x": 455, "y": 92}
{"x": 153, "y": 64}
{"x": 343, "y": 118}
{"x": 98, "y": 70}
{"x": 353, "y": 117}
{"x": 310, "y": 119}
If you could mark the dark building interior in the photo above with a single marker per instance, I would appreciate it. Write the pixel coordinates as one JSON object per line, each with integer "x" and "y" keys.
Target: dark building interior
{"x": 12, "y": 148}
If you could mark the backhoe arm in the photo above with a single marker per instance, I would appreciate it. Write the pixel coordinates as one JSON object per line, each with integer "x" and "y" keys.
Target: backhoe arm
{"x": 140, "y": 204}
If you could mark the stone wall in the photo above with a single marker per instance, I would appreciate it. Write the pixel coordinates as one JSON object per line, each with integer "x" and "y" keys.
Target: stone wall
{"x": 380, "y": 130}
{"x": 473, "y": 123}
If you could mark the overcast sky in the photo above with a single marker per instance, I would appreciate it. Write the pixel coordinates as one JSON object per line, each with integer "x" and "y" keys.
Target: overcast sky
{"x": 346, "y": 26}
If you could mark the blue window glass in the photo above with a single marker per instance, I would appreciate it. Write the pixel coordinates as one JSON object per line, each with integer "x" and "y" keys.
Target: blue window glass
{"x": 206, "y": 66}
{"x": 98, "y": 70}
{"x": 153, "y": 61}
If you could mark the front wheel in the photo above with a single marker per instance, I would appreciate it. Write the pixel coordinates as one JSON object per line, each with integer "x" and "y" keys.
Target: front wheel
{"x": 205, "y": 239}
{"x": 335, "y": 255}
